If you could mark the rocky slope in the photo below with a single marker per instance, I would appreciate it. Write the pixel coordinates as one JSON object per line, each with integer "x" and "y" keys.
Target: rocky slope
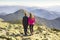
{"x": 10, "y": 31}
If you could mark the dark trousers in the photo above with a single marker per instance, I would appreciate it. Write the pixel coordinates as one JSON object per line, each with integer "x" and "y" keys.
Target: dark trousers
{"x": 25, "y": 29}
{"x": 31, "y": 28}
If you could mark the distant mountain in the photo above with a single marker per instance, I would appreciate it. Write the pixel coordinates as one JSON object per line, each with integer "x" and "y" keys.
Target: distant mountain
{"x": 40, "y": 12}
{"x": 20, "y": 13}
{"x": 14, "y": 16}
{"x": 54, "y": 8}
{"x": 50, "y": 15}
{"x": 12, "y": 9}
{"x": 3, "y": 13}
{"x": 58, "y": 19}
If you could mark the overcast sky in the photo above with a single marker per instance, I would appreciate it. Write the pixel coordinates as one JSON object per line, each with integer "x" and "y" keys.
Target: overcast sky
{"x": 37, "y": 3}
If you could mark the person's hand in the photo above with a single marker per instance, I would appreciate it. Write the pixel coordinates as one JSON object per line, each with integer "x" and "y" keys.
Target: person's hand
{"x": 33, "y": 23}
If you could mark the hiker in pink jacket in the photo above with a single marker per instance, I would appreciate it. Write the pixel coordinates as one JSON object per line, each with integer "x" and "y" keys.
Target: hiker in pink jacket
{"x": 31, "y": 22}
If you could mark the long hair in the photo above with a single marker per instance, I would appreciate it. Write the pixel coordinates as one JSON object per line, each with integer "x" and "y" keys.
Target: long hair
{"x": 31, "y": 15}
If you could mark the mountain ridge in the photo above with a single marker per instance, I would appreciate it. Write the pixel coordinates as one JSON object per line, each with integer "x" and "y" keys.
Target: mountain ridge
{"x": 18, "y": 15}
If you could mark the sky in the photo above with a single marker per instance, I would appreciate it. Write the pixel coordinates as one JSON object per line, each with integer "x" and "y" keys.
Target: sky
{"x": 36, "y": 3}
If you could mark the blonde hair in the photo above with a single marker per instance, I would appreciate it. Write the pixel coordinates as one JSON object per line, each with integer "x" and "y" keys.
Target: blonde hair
{"x": 31, "y": 15}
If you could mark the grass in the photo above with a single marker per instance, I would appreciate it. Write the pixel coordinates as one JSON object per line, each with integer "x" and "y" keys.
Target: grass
{"x": 15, "y": 31}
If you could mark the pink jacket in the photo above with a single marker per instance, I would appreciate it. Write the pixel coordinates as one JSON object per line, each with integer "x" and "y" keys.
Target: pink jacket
{"x": 31, "y": 21}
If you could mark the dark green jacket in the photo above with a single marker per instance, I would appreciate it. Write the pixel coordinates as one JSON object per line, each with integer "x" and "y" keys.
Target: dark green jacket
{"x": 25, "y": 20}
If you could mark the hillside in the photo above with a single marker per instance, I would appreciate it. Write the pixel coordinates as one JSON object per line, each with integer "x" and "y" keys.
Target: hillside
{"x": 17, "y": 17}
{"x": 10, "y": 31}
{"x": 49, "y": 23}
{"x": 14, "y": 16}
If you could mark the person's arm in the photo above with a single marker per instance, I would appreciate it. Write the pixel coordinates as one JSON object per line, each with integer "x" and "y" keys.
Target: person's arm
{"x": 28, "y": 21}
{"x": 22, "y": 20}
{"x": 34, "y": 21}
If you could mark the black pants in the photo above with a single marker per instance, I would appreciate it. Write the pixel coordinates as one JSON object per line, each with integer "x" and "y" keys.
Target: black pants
{"x": 25, "y": 29}
{"x": 31, "y": 28}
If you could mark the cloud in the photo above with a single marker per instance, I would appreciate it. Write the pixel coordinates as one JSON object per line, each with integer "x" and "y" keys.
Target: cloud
{"x": 31, "y": 3}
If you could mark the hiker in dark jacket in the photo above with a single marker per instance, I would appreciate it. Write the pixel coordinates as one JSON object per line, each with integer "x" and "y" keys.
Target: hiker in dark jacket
{"x": 25, "y": 23}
